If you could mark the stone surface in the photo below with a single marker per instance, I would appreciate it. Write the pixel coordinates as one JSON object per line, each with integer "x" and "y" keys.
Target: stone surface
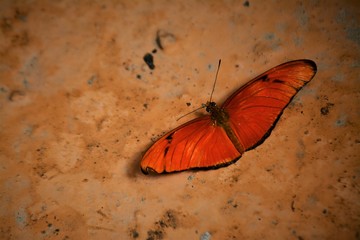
{"x": 79, "y": 106}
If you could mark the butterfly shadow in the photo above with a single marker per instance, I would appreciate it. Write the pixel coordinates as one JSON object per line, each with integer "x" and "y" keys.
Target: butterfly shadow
{"x": 133, "y": 169}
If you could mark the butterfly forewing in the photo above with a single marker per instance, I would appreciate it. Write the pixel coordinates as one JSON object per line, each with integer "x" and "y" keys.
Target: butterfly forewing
{"x": 196, "y": 144}
{"x": 255, "y": 107}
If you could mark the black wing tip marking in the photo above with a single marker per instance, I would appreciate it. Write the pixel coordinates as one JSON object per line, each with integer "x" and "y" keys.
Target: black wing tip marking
{"x": 309, "y": 62}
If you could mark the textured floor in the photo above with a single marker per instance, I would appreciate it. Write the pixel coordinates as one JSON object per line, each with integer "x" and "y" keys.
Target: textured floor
{"x": 79, "y": 106}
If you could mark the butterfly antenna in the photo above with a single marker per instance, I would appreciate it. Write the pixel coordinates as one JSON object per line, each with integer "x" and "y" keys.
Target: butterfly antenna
{"x": 191, "y": 112}
{"x": 204, "y": 105}
{"x": 217, "y": 72}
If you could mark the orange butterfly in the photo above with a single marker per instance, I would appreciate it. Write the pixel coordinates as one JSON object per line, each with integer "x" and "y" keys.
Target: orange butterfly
{"x": 243, "y": 122}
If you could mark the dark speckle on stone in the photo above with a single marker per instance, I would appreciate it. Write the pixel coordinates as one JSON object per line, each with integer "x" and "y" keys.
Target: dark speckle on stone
{"x": 149, "y": 60}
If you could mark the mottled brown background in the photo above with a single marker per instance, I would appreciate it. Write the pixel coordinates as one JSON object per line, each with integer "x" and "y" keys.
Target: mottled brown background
{"x": 79, "y": 106}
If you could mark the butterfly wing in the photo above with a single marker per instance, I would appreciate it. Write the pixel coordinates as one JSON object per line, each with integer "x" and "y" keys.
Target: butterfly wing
{"x": 255, "y": 108}
{"x": 196, "y": 144}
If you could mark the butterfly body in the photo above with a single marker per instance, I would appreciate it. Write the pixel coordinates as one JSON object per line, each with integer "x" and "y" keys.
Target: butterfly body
{"x": 220, "y": 118}
{"x": 241, "y": 123}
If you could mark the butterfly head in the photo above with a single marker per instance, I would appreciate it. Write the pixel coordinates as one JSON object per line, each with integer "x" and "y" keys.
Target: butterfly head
{"x": 210, "y": 106}
{"x": 218, "y": 115}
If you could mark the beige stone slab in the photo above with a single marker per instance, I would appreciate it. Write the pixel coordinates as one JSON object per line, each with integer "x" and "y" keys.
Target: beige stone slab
{"x": 79, "y": 106}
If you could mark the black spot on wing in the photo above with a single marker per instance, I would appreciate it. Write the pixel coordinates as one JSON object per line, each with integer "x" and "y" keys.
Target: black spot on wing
{"x": 264, "y": 78}
{"x": 166, "y": 151}
{"x": 278, "y": 81}
{"x": 169, "y": 138}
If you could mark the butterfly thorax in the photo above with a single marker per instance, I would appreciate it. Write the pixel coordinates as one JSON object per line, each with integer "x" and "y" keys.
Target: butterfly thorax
{"x": 218, "y": 115}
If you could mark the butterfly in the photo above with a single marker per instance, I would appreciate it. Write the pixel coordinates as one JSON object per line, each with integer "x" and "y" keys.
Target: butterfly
{"x": 241, "y": 123}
